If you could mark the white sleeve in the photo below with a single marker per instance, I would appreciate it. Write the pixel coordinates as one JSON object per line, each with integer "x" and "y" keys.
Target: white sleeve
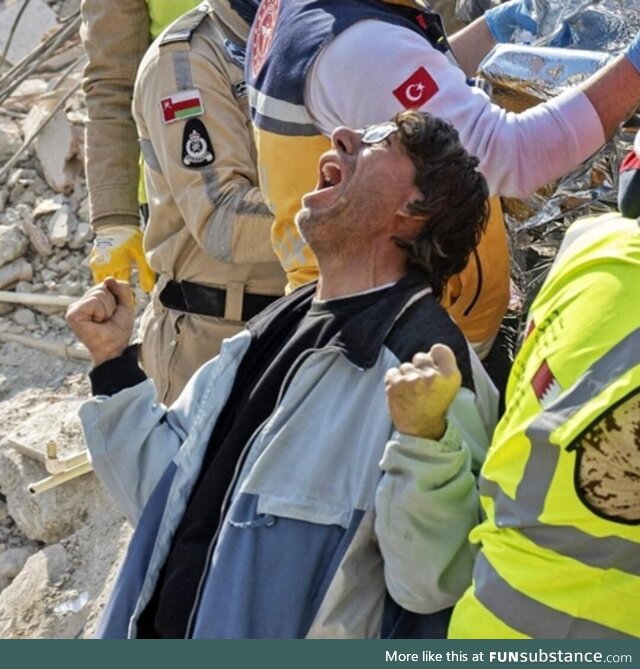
{"x": 373, "y": 70}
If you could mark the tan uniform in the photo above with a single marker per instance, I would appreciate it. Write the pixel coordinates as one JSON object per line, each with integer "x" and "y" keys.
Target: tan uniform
{"x": 115, "y": 35}
{"x": 208, "y": 222}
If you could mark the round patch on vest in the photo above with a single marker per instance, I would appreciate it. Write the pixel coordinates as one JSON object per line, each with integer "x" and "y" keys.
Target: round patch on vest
{"x": 264, "y": 29}
{"x": 197, "y": 150}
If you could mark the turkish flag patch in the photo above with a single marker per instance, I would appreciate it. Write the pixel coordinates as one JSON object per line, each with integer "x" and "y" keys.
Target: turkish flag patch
{"x": 416, "y": 90}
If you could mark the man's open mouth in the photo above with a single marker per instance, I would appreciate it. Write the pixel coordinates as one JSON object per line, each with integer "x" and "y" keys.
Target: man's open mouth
{"x": 330, "y": 174}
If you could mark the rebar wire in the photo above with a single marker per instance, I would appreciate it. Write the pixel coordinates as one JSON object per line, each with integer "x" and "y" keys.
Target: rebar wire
{"x": 64, "y": 24}
{"x": 14, "y": 77}
{"x": 5, "y": 51}
{"x": 27, "y": 143}
{"x": 72, "y": 67}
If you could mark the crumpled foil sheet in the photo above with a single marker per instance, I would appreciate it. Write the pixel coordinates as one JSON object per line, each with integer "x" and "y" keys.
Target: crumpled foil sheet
{"x": 604, "y": 25}
{"x": 520, "y": 76}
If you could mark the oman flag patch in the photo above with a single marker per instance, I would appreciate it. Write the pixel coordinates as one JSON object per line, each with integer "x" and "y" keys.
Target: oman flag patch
{"x": 419, "y": 88}
{"x": 179, "y": 106}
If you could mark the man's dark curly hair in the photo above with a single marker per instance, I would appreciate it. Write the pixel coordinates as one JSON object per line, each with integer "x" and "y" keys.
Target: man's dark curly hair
{"x": 455, "y": 198}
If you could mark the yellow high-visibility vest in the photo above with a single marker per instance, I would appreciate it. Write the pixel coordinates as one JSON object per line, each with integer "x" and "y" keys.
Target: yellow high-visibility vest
{"x": 164, "y": 12}
{"x": 549, "y": 566}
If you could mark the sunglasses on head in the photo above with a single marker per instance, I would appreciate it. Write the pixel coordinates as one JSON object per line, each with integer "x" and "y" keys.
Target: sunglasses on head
{"x": 373, "y": 134}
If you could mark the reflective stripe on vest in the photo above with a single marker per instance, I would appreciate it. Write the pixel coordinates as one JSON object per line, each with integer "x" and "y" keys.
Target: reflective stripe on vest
{"x": 532, "y": 617}
{"x": 279, "y": 116}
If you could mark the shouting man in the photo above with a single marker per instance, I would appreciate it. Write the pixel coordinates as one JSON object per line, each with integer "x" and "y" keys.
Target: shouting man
{"x": 273, "y": 499}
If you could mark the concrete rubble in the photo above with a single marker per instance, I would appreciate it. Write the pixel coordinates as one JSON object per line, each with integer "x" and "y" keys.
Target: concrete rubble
{"x": 58, "y": 145}
{"x": 36, "y": 21}
{"x": 60, "y": 549}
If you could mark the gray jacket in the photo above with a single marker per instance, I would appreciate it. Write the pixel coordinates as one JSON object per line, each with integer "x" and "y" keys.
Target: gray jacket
{"x": 347, "y": 509}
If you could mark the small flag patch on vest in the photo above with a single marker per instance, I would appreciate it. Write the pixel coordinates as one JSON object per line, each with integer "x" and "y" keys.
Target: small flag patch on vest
{"x": 545, "y": 385}
{"x": 179, "y": 106}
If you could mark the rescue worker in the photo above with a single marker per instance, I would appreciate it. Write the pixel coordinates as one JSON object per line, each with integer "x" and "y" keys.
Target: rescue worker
{"x": 115, "y": 36}
{"x": 560, "y": 546}
{"x": 208, "y": 236}
{"x": 360, "y": 62}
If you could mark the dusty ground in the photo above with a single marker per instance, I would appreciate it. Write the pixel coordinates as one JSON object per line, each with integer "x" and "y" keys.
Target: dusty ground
{"x": 58, "y": 549}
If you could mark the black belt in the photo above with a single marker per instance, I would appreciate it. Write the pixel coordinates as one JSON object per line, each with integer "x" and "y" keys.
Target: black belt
{"x": 206, "y": 301}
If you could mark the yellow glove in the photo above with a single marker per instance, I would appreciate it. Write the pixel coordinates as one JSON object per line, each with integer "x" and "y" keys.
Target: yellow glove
{"x": 116, "y": 249}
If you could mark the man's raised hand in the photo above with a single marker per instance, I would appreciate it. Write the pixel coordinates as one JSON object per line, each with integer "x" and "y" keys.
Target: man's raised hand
{"x": 420, "y": 392}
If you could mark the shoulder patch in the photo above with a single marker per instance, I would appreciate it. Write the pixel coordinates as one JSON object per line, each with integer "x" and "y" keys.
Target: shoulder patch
{"x": 240, "y": 90}
{"x": 197, "y": 150}
{"x": 235, "y": 52}
{"x": 181, "y": 106}
{"x": 182, "y": 29}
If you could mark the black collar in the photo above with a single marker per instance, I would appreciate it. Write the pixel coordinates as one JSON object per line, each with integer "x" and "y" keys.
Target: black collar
{"x": 361, "y": 340}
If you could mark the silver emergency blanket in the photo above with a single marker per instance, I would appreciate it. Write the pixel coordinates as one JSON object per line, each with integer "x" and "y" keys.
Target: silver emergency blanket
{"x": 605, "y": 25}
{"x": 518, "y": 76}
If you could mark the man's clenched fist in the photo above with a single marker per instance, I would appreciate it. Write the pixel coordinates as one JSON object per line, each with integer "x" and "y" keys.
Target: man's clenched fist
{"x": 102, "y": 319}
{"x": 420, "y": 392}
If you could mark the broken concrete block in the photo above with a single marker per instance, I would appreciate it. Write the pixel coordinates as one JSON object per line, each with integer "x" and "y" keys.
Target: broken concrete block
{"x": 23, "y": 287}
{"x": 62, "y": 226}
{"x": 10, "y": 138}
{"x": 10, "y": 216}
{"x": 83, "y": 234}
{"x": 13, "y": 243}
{"x": 64, "y": 267}
{"x": 48, "y": 206}
{"x": 22, "y": 176}
{"x": 68, "y": 7}
{"x": 24, "y": 317}
{"x": 38, "y": 240}
{"x": 20, "y": 184}
{"x": 21, "y": 611}
{"x": 71, "y": 288}
{"x": 11, "y": 273}
{"x": 58, "y": 146}
{"x": 36, "y": 21}
{"x": 83, "y": 209}
{"x": 12, "y": 561}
